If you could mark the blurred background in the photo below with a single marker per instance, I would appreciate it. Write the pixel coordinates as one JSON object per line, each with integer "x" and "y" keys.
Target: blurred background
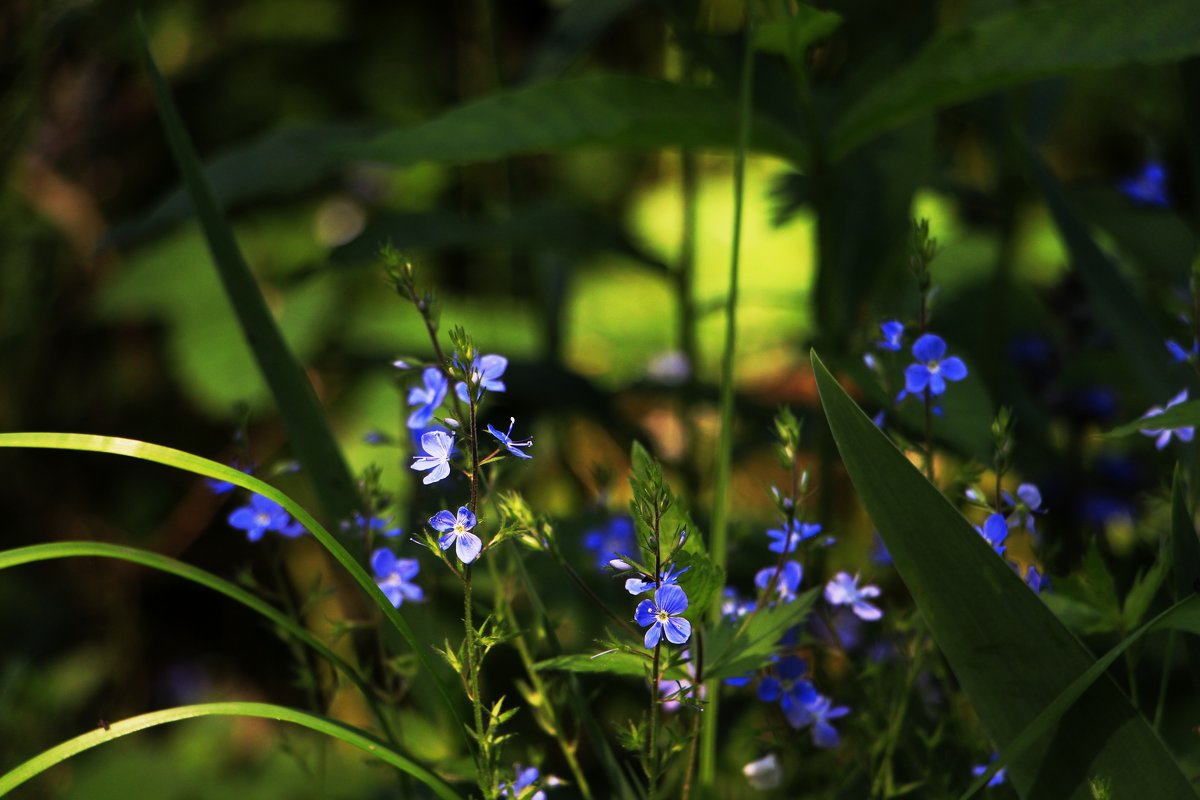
{"x": 598, "y": 266}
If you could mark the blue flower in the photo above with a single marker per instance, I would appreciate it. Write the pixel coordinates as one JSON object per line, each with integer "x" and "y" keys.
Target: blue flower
{"x": 892, "y": 331}
{"x": 788, "y": 582}
{"x": 506, "y": 440}
{"x": 801, "y": 531}
{"x": 1028, "y": 503}
{"x": 379, "y": 525}
{"x": 1148, "y": 187}
{"x": 670, "y": 577}
{"x": 733, "y": 606}
{"x": 995, "y": 531}
{"x": 438, "y": 447}
{"x": 1179, "y": 354}
{"x": 1036, "y": 580}
{"x": 995, "y": 780}
{"x": 787, "y": 686}
{"x": 612, "y": 541}
{"x": 932, "y": 370}
{"x": 394, "y": 576}
{"x": 818, "y": 713}
{"x": 486, "y": 371}
{"x": 427, "y": 399}
{"x": 526, "y": 779}
{"x": 456, "y": 530}
{"x": 662, "y": 615}
{"x": 843, "y": 590}
{"x": 1164, "y": 434}
{"x": 261, "y": 515}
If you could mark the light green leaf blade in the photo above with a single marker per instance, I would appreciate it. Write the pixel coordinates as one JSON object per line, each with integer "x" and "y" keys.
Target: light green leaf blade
{"x": 1034, "y": 40}
{"x": 337, "y": 730}
{"x": 596, "y": 111}
{"x": 1183, "y": 415}
{"x": 615, "y": 663}
{"x": 1012, "y": 657}
{"x": 302, "y": 414}
{"x": 188, "y": 462}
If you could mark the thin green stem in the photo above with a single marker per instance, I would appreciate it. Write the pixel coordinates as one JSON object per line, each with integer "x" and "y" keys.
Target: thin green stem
{"x": 724, "y": 466}
{"x": 484, "y": 761}
{"x": 1131, "y": 673}
{"x": 652, "y": 748}
{"x": 1165, "y": 680}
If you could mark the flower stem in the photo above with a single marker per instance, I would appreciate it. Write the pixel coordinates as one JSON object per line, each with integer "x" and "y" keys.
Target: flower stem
{"x": 484, "y": 761}
{"x": 652, "y": 749}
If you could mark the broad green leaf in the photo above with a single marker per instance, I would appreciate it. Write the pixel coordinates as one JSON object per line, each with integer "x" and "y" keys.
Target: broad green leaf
{"x": 1184, "y": 615}
{"x": 188, "y": 462}
{"x": 1080, "y": 617}
{"x": 46, "y": 552}
{"x": 732, "y": 650}
{"x": 612, "y": 663}
{"x": 1034, "y": 40}
{"x": 791, "y": 37}
{"x": 302, "y": 414}
{"x": 1117, "y": 304}
{"x": 338, "y": 730}
{"x": 1010, "y": 654}
{"x": 1183, "y": 415}
{"x": 595, "y": 111}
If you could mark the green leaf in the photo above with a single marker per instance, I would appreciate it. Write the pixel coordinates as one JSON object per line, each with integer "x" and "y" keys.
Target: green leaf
{"x": 1080, "y": 617}
{"x": 1117, "y": 304}
{"x": 338, "y": 730}
{"x": 1141, "y": 594}
{"x": 595, "y": 111}
{"x": 612, "y": 663}
{"x": 45, "y": 552}
{"x": 702, "y": 582}
{"x": 732, "y": 652}
{"x": 302, "y": 414}
{"x": 791, "y": 37}
{"x": 1183, "y": 415}
{"x": 211, "y": 469}
{"x": 1010, "y": 654}
{"x": 1032, "y": 41}
{"x": 1184, "y": 615}
{"x": 1184, "y": 554}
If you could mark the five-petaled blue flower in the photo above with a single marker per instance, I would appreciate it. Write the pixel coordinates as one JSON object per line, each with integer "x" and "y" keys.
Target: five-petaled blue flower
{"x": 818, "y": 713}
{"x": 788, "y": 582}
{"x": 787, "y": 686}
{"x": 261, "y": 515}
{"x": 892, "y": 331}
{"x": 506, "y": 441}
{"x": 427, "y": 398}
{"x": 1164, "y": 434}
{"x": 438, "y": 447}
{"x": 995, "y": 531}
{"x": 670, "y": 577}
{"x": 932, "y": 370}
{"x": 662, "y": 615}
{"x": 456, "y": 530}
{"x": 394, "y": 576}
{"x": 801, "y": 531}
{"x": 485, "y": 371}
{"x": 1148, "y": 187}
{"x": 844, "y": 590}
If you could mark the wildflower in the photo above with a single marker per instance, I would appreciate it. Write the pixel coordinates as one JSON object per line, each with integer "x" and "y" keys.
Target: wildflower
{"x": 1028, "y": 503}
{"x": 932, "y": 370}
{"x": 786, "y": 585}
{"x": 995, "y": 531}
{"x": 636, "y": 586}
{"x": 1164, "y": 434}
{"x": 1036, "y": 580}
{"x": 486, "y": 372}
{"x": 843, "y": 590}
{"x": 394, "y": 576}
{"x": 506, "y": 440}
{"x": 800, "y": 531}
{"x": 427, "y": 399}
{"x": 764, "y": 773}
{"x": 674, "y": 691}
{"x": 378, "y": 525}
{"x": 526, "y": 779}
{"x": 892, "y": 331}
{"x": 733, "y": 607}
{"x": 438, "y": 447}
{"x": 788, "y": 686}
{"x": 614, "y": 540}
{"x": 817, "y": 714}
{"x": 456, "y": 530}
{"x": 997, "y": 779}
{"x": 662, "y": 615}
{"x": 1148, "y": 187}
{"x": 261, "y": 515}
{"x": 1179, "y": 354}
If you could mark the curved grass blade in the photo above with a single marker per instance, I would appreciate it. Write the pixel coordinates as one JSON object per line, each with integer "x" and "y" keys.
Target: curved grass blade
{"x": 302, "y": 415}
{"x": 48, "y": 552}
{"x": 337, "y": 730}
{"x": 1011, "y": 655}
{"x": 198, "y": 465}
{"x": 1184, "y": 615}
{"x": 1183, "y": 415}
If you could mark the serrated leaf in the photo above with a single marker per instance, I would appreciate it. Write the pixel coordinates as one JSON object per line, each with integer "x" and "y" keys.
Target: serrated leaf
{"x": 1032, "y": 41}
{"x": 1141, "y": 594}
{"x": 1010, "y": 654}
{"x": 702, "y": 582}
{"x": 733, "y": 651}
